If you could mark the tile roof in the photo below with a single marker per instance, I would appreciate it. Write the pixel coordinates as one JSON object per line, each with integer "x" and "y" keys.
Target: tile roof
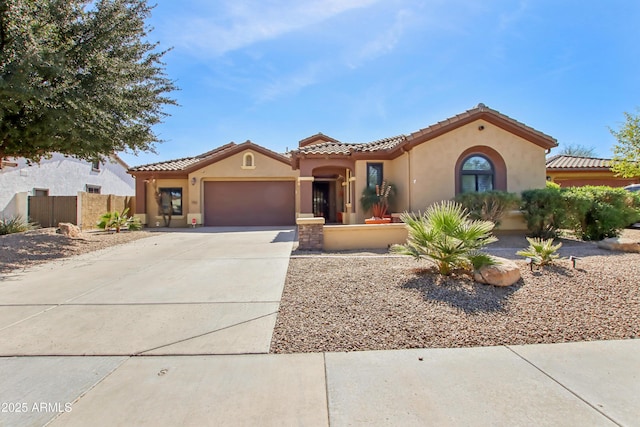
{"x": 184, "y": 163}
{"x": 347, "y": 148}
{"x": 201, "y": 160}
{"x": 330, "y": 146}
{"x": 562, "y": 161}
{"x": 474, "y": 112}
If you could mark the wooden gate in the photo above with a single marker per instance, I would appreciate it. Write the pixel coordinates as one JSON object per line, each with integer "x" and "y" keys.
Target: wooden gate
{"x": 49, "y": 211}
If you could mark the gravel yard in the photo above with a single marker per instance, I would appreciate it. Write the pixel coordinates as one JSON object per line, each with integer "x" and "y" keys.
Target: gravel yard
{"x": 21, "y": 250}
{"x": 349, "y": 302}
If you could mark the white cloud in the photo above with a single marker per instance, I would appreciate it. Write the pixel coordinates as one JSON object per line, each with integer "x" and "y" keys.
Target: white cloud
{"x": 293, "y": 83}
{"x": 237, "y": 24}
{"x": 509, "y": 19}
{"x": 384, "y": 43}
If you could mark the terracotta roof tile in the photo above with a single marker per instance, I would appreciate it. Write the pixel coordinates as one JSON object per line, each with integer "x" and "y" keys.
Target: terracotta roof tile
{"x": 182, "y": 164}
{"x": 334, "y": 147}
{"x": 185, "y": 164}
{"x": 481, "y": 108}
{"x": 562, "y": 161}
{"x": 346, "y": 148}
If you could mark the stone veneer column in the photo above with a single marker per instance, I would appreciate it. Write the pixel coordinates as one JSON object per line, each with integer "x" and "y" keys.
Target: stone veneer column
{"x": 310, "y": 233}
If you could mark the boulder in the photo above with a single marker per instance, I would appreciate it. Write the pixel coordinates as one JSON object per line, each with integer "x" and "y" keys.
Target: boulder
{"x": 505, "y": 273}
{"x": 619, "y": 244}
{"x": 69, "y": 230}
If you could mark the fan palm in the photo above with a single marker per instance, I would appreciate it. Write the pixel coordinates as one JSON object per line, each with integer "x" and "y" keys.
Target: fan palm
{"x": 446, "y": 235}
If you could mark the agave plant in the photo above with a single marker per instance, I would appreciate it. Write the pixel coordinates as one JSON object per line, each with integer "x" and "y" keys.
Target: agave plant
{"x": 540, "y": 251}
{"x": 446, "y": 235}
{"x": 14, "y": 224}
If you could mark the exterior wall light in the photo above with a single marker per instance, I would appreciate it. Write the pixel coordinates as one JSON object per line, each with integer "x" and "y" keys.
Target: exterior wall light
{"x": 193, "y": 181}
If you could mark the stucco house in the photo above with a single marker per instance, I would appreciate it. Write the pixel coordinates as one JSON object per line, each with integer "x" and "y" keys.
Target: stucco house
{"x": 577, "y": 171}
{"x": 59, "y": 176}
{"x": 246, "y": 184}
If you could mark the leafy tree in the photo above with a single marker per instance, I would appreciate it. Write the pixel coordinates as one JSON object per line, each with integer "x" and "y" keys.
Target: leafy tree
{"x": 78, "y": 77}
{"x": 626, "y": 153}
{"x": 577, "y": 150}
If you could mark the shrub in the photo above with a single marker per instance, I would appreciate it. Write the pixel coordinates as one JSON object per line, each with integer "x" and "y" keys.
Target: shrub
{"x": 544, "y": 210}
{"x": 14, "y": 224}
{"x": 378, "y": 198}
{"x": 595, "y": 213}
{"x": 540, "y": 251}
{"x": 118, "y": 220}
{"x": 489, "y": 205}
{"x": 446, "y": 235}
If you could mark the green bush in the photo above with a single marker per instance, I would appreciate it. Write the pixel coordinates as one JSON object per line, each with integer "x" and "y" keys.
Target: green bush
{"x": 595, "y": 213}
{"x": 544, "y": 209}
{"x": 14, "y": 224}
{"x": 489, "y": 205}
{"x": 446, "y": 235}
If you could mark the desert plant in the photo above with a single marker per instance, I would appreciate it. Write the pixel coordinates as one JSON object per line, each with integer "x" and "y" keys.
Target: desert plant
{"x": 118, "y": 220}
{"x": 14, "y": 224}
{"x": 446, "y": 235}
{"x": 378, "y": 198}
{"x": 488, "y": 205}
{"x": 544, "y": 209}
{"x": 596, "y": 212}
{"x": 540, "y": 251}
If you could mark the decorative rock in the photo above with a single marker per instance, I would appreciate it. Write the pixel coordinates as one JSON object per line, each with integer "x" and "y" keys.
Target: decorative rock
{"x": 69, "y": 230}
{"x": 505, "y": 273}
{"x": 619, "y": 244}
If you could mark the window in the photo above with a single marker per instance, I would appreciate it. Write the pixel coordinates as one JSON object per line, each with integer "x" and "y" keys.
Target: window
{"x": 374, "y": 174}
{"x": 476, "y": 174}
{"x": 95, "y": 166}
{"x": 248, "y": 162}
{"x": 93, "y": 189}
{"x": 171, "y": 197}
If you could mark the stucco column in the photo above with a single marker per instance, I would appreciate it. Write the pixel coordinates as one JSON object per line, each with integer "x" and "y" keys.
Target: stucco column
{"x": 141, "y": 196}
{"x": 305, "y": 184}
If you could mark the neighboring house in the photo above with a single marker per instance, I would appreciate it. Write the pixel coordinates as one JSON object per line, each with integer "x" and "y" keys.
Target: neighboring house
{"x": 246, "y": 184}
{"x": 60, "y": 176}
{"x": 576, "y": 171}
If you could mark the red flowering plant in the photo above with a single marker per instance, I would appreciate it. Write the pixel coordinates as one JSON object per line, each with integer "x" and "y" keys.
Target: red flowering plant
{"x": 377, "y": 199}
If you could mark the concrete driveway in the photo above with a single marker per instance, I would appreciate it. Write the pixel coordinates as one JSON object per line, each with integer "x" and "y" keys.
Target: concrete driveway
{"x": 172, "y": 331}
{"x": 203, "y": 291}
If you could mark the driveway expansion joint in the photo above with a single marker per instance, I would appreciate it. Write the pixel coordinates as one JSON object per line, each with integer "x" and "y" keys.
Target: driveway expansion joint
{"x": 595, "y": 408}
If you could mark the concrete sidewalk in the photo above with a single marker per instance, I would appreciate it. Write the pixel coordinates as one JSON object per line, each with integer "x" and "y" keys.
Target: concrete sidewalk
{"x": 595, "y": 383}
{"x": 175, "y": 330}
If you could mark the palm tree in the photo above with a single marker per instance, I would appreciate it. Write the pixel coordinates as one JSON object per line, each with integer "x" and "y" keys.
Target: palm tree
{"x": 446, "y": 235}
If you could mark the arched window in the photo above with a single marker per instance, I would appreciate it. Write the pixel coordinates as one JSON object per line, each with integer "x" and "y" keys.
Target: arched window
{"x": 476, "y": 174}
{"x": 248, "y": 161}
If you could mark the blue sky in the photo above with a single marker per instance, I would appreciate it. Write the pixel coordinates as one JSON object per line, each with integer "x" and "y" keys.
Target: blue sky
{"x": 277, "y": 71}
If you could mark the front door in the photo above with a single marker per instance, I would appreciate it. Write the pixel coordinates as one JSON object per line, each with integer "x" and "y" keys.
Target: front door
{"x": 321, "y": 200}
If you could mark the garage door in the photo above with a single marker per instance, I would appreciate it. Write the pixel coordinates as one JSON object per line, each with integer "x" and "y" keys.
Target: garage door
{"x": 249, "y": 203}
